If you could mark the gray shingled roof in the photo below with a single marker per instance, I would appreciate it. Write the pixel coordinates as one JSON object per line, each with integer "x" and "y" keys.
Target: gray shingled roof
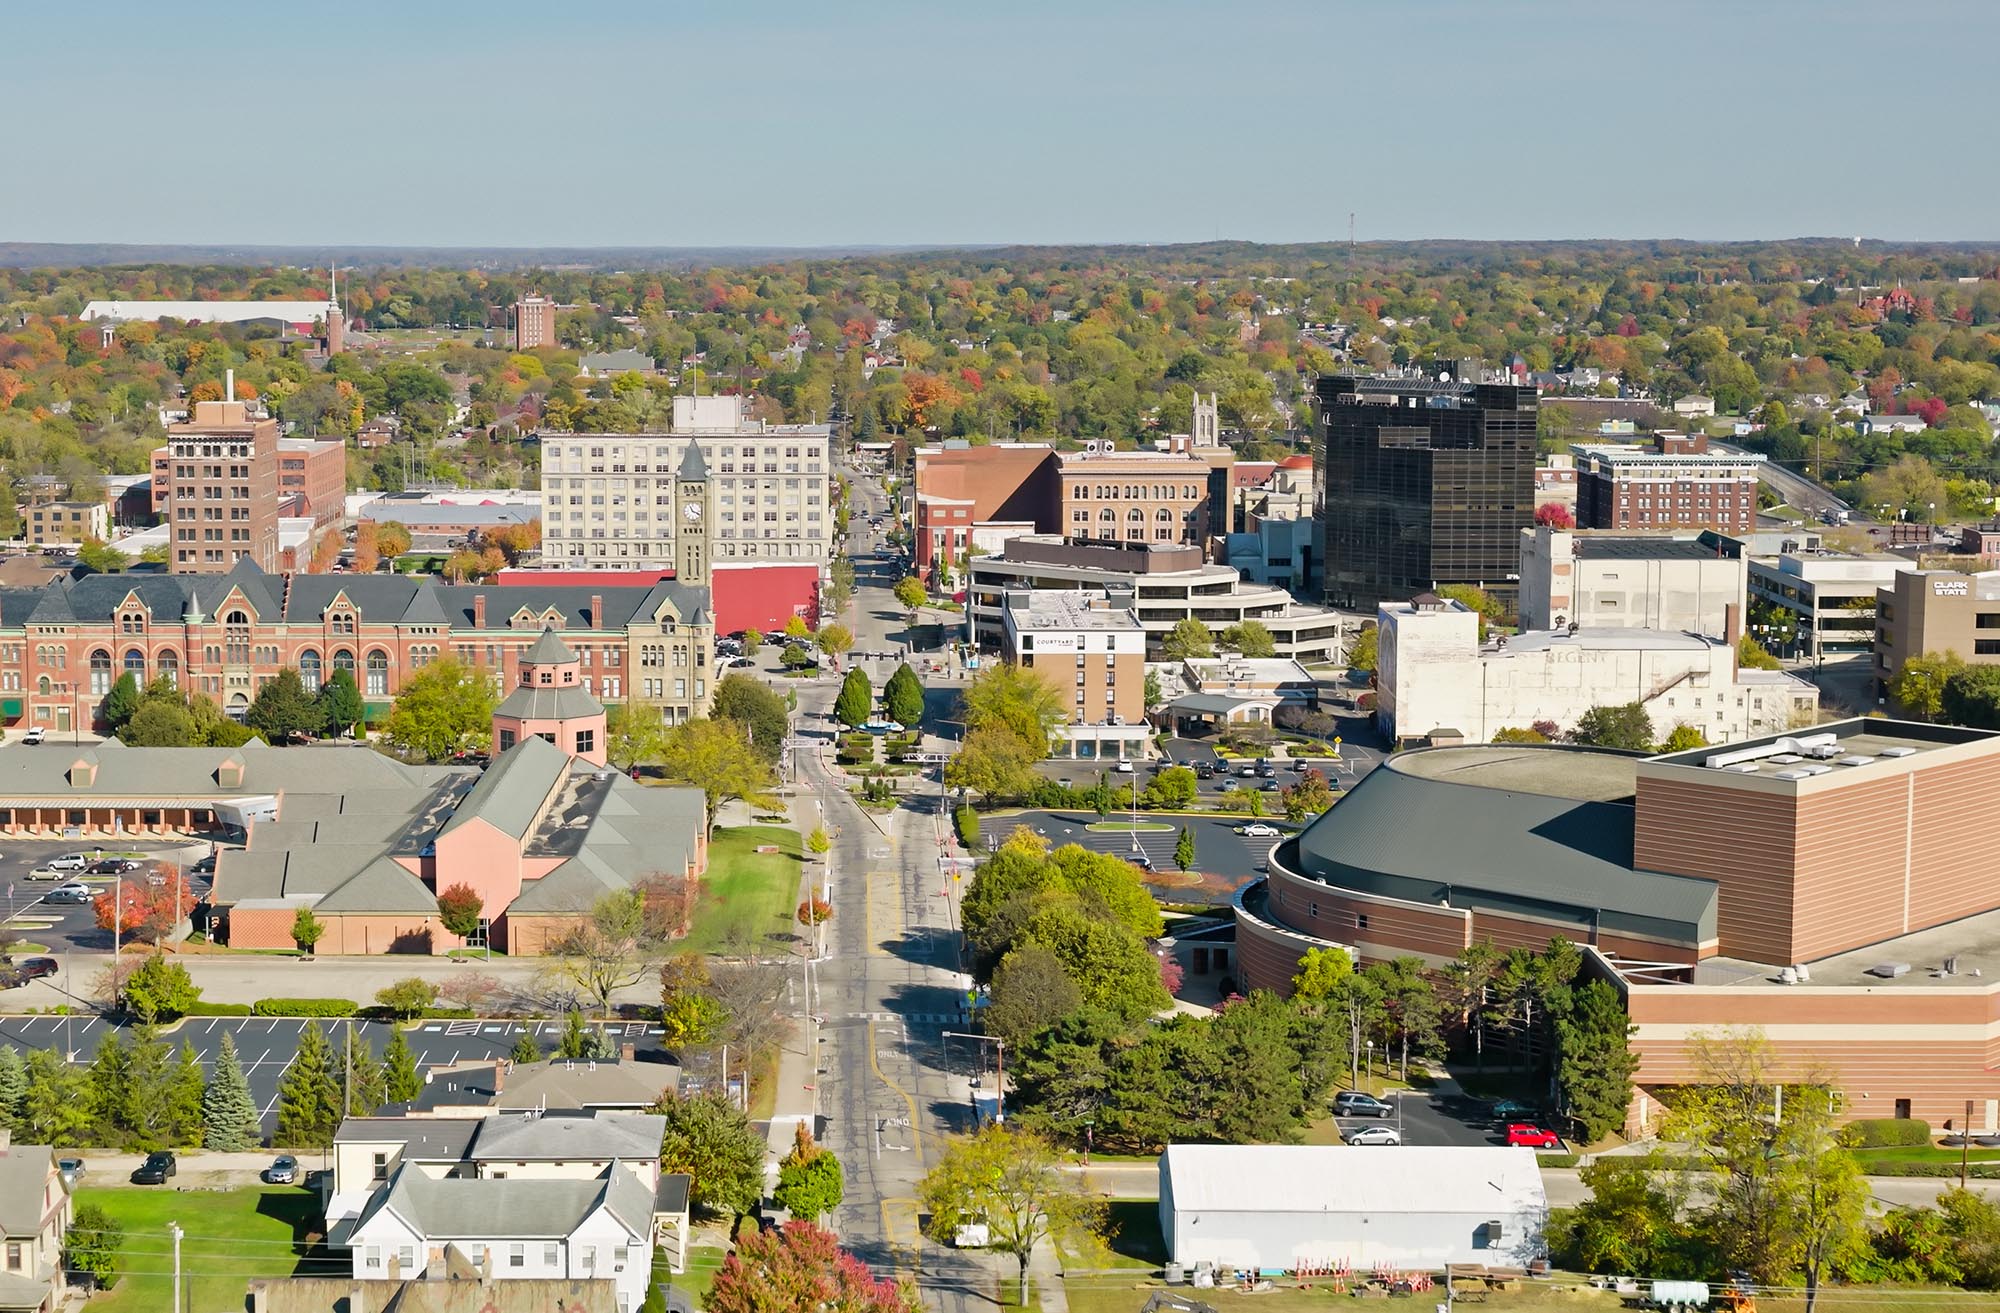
{"x": 548, "y": 650}
{"x": 1427, "y": 839}
{"x": 510, "y": 794}
{"x": 467, "y": 1208}
{"x": 508, "y": 1137}
{"x": 533, "y": 702}
{"x": 560, "y": 1085}
{"x": 190, "y": 772}
{"x": 694, "y": 467}
{"x": 429, "y": 1139}
{"x": 24, "y": 1168}
{"x": 381, "y": 886}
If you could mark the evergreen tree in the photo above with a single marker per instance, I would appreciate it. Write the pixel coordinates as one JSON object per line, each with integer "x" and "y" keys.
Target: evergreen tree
{"x": 121, "y": 701}
{"x": 365, "y": 1089}
{"x": 57, "y": 1107}
{"x": 400, "y": 1081}
{"x": 13, "y": 1087}
{"x": 186, "y": 1088}
{"x": 575, "y": 1037}
{"x": 340, "y": 702}
{"x": 810, "y": 1181}
{"x": 148, "y": 1083}
{"x": 309, "y": 1094}
{"x": 903, "y": 695}
{"x": 228, "y": 1114}
{"x": 526, "y": 1049}
{"x": 1184, "y": 848}
{"x": 856, "y": 702}
{"x": 106, "y": 1087}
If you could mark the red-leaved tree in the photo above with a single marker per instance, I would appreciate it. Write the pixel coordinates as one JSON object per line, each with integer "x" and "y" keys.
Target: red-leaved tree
{"x": 146, "y": 913}
{"x": 1555, "y": 515}
{"x": 798, "y": 1268}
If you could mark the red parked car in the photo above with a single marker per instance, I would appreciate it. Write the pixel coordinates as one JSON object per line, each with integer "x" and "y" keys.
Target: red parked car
{"x": 1532, "y": 1137}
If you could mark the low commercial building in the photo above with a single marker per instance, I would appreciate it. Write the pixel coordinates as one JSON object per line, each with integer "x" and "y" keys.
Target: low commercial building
{"x": 1435, "y": 682}
{"x": 55, "y": 523}
{"x": 1828, "y": 598}
{"x": 1942, "y": 611}
{"x": 1277, "y": 552}
{"x": 1823, "y": 887}
{"x": 1170, "y": 582}
{"x": 1090, "y": 648}
{"x": 314, "y": 472}
{"x": 1618, "y": 581}
{"x": 1271, "y": 1208}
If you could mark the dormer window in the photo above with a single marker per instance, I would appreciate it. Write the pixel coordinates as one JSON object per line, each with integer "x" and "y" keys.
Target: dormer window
{"x": 132, "y": 622}
{"x": 341, "y": 622}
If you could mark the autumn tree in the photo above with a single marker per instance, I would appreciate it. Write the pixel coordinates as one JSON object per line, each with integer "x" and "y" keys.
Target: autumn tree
{"x": 459, "y": 909}
{"x": 716, "y": 757}
{"x": 1014, "y": 1183}
{"x": 367, "y": 548}
{"x": 146, "y": 913}
{"x": 810, "y": 1181}
{"x": 441, "y": 709}
{"x": 800, "y": 1268}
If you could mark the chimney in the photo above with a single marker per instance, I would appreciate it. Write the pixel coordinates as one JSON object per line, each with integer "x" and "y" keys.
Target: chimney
{"x": 628, "y": 1052}
{"x": 597, "y": 610}
{"x": 357, "y": 1294}
{"x": 500, "y": 1076}
{"x": 479, "y": 610}
{"x": 1732, "y": 625}
{"x": 229, "y": 385}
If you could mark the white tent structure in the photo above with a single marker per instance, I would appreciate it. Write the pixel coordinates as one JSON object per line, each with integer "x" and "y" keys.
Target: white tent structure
{"x": 1278, "y": 1207}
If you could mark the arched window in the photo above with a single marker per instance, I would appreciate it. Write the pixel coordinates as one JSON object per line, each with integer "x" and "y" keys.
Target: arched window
{"x": 309, "y": 670}
{"x": 135, "y": 665}
{"x": 1108, "y": 516}
{"x": 100, "y": 671}
{"x": 236, "y": 634}
{"x": 343, "y": 660}
{"x": 1164, "y": 516}
{"x": 1135, "y": 515}
{"x": 378, "y": 674}
{"x": 170, "y": 667}
{"x": 42, "y": 686}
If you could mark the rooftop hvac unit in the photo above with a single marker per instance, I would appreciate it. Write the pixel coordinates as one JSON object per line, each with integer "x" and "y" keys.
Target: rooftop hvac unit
{"x": 1855, "y": 761}
{"x": 1786, "y": 759}
{"x": 1899, "y": 751}
{"x": 1822, "y": 750}
{"x": 1788, "y": 975}
{"x": 1792, "y": 775}
{"x": 1889, "y": 970}
{"x": 1805, "y": 973}
{"x": 1744, "y": 768}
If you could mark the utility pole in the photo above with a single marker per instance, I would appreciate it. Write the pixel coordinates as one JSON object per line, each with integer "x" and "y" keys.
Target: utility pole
{"x": 174, "y": 1230}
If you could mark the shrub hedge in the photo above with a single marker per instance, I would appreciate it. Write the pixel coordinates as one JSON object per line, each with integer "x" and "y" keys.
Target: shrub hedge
{"x": 1887, "y": 1132}
{"x": 218, "y": 1010}
{"x": 304, "y": 1007}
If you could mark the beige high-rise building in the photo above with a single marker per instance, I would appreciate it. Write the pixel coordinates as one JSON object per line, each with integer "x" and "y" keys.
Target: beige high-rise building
{"x": 1090, "y": 647}
{"x": 225, "y": 489}
{"x": 534, "y": 322}
{"x": 609, "y": 500}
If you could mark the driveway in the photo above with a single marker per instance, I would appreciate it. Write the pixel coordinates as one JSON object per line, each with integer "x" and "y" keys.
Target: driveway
{"x": 1218, "y": 848}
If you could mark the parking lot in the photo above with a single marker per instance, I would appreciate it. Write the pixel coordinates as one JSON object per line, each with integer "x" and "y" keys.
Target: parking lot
{"x": 27, "y": 915}
{"x": 266, "y": 1045}
{"x": 1217, "y": 846}
{"x": 1431, "y": 1117}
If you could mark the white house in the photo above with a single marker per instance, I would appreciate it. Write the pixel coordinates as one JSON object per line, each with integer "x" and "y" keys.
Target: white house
{"x": 1695, "y": 406}
{"x": 534, "y": 1228}
{"x": 34, "y": 1218}
{"x": 1278, "y": 1207}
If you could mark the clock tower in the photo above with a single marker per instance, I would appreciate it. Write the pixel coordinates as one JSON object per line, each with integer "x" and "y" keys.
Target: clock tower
{"x": 691, "y": 518}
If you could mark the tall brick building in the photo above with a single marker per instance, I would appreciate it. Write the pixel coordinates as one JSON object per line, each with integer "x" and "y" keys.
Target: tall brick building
{"x": 221, "y": 495}
{"x": 1678, "y": 483}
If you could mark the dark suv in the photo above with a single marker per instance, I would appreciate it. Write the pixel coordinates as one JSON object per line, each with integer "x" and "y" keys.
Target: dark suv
{"x": 1353, "y": 1103}
{"x": 156, "y": 1169}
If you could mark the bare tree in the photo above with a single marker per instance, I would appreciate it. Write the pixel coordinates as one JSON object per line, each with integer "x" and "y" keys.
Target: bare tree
{"x": 606, "y": 952}
{"x": 472, "y": 990}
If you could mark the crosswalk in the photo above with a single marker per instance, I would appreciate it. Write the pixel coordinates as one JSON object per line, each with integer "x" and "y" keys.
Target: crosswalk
{"x": 910, "y": 1018}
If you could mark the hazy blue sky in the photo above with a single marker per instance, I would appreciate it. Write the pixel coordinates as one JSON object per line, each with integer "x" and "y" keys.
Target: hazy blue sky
{"x": 842, "y": 121}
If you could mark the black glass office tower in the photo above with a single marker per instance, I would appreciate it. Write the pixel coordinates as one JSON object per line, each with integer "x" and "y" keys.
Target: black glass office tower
{"x": 1420, "y": 483}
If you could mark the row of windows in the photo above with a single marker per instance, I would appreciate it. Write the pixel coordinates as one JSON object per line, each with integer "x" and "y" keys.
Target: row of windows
{"x": 1134, "y": 491}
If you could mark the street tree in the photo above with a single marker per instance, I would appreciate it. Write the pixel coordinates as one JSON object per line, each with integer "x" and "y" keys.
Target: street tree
{"x": 121, "y": 702}
{"x": 1252, "y": 638}
{"x": 1362, "y": 648}
{"x": 1016, "y": 1184}
{"x": 1184, "y": 849}
{"x": 1918, "y": 684}
{"x": 712, "y": 1140}
{"x": 717, "y": 757}
{"x": 441, "y": 709}
{"x": 606, "y": 952}
{"x": 307, "y": 929}
{"x": 459, "y": 909}
{"x": 903, "y": 696}
{"x": 283, "y": 709}
{"x": 748, "y": 701}
{"x": 1031, "y": 990}
{"x": 160, "y": 989}
{"x": 855, "y": 703}
{"x": 994, "y": 762}
{"x": 911, "y": 593}
{"x": 640, "y": 737}
{"x": 1188, "y": 638}
{"x": 834, "y": 639}
{"x": 819, "y": 843}
{"x": 810, "y": 1182}
{"x": 800, "y": 1268}
{"x": 407, "y": 998}
{"x": 1016, "y": 699}
{"x": 1595, "y": 1062}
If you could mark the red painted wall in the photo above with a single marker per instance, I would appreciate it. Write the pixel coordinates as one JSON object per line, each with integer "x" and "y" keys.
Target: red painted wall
{"x": 759, "y": 595}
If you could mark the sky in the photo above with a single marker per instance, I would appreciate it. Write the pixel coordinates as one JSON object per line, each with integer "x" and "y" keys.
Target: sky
{"x": 886, "y": 122}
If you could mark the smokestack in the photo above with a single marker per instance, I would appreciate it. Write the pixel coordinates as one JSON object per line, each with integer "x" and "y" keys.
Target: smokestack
{"x": 628, "y": 1052}
{"x": 229, "y": 385}
{"x": 1732, "y": 627}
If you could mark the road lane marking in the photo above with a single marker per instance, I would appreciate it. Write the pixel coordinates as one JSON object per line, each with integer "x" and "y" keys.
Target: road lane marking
{"x": 916, "y": 1120}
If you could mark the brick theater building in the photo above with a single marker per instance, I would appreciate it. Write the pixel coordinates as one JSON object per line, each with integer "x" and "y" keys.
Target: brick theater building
{"x": 1829, "y": 887}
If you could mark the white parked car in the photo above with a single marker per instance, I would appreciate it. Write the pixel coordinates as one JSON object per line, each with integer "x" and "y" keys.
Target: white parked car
{"x": 1259, "y": 830}
{"x": 1374, "y": 1135}
{"x": 70, "y": 862}
{"x": 1124, "y": 767}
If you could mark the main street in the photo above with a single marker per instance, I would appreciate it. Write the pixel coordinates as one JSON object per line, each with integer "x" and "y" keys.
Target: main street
{"x": 890, "y": 1083}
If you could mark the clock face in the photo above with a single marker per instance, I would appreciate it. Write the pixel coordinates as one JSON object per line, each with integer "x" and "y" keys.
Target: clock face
{"x": 691, "y": 511}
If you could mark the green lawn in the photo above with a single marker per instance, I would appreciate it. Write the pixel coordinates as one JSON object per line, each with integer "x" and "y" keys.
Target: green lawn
{"x": 231, "y": 1236}
{"x": 1112, "y": 1292}
{"x": 747, "y": 897}
{"x": 1873, "y": 1159}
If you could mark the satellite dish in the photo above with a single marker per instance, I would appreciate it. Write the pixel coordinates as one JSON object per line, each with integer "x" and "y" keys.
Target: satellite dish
{"x": 1444, "y": 376}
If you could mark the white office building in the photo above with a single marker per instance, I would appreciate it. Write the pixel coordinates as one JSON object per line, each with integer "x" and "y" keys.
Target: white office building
{"x": 1619, "y": 581}
{"x": 1436, "y": 684}
{"x": 608, "y": 499}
